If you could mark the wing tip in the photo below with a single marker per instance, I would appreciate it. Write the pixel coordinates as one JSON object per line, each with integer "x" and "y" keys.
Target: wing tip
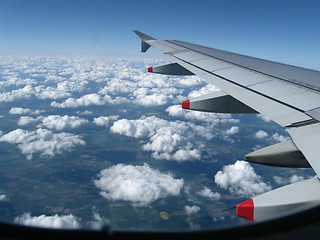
{"x": 143, "y": 36}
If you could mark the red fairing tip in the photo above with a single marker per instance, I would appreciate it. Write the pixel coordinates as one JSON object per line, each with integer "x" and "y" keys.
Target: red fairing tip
{"x": 186, "y": 104}
{"x": 150, "y": 69}
{"x": 245, "y": 209}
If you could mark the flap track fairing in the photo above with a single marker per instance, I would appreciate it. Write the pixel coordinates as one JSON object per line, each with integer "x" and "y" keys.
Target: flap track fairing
{"x": 218, "y": 102}
{"x": 170, "y": 69}
{"x": 282, "y": 201}
{"x": 284, "y": 154}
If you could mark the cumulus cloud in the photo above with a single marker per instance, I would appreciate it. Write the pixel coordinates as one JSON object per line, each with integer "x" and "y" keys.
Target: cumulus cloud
{"x": 42, "y": 141}
{"x": 280, "y": 138}
{"x": 147, "y": 89}
{"x": 98, "y": 222}
{"x": 49, "y": 93}
{"x": 104, "y": 121}
{"x": 58, "y": 122}
{"x": 232, "y": 130}
{"x": 29, "y": 91}
{"x": 3, "y": 197}
{"x": 283, "y": 181}
{"x": 24, "y": 111}
{"x": 152, "y": 100}
{"x": 167, "y": 140}
{"x": 26, "y": 120}
{"x": 73, "y": 86}
{"x": 190, "y": 80}
{"x": 144, "y": 98}
{"x": 264, "y": 118}
{"x": 86, "y": 100}
{"x": 261, "y": 134}
{"x": 214, "y": 118}
{"x": 191, "y": 210}
{"x": 241, "y": 179}
{"x": 206, "y": 192}
{"x": 140, "y": 185}
{"x": 17, "y": 94}
{"x": 55, "y": 122}
{"x": 86, "y": 112}
{"x": 203, "y": 91}
{"x": 56, "y": 221}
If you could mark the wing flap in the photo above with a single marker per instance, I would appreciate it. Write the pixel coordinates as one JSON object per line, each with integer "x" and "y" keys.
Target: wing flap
{"x": 289, "y": 94}
{"x": 245, "y": 77}
{"x": 190, "y": 56}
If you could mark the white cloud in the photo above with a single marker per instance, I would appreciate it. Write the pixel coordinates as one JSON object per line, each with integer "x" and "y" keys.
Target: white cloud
{"x": 280, "y": 138}
{"x": 41, "y": 141}
{"x": 140, "y": 185}
{"x": 152, "y": 100}
{"x": 29, "y": 91}
{"x": 98, "y": 222}
{"x": 104, "y": 121}
{"x": 189, "y": 80}
{"x": 58, "y": 122}
{"x": 55, "y": 122}
{"x": 26, "y": 120}
{"x": 203, "y": 91}
{"x": 167, "y": 140}
{"x": 282, "y": 181}
{"x": 86, "y": 112}
{"x": 206, "y": 192}
{"x": 3, "y": 197}
{"x": 232, "y": 130}
{"x": 147, "y": 89}
{"x": 191, "y": 210}
{"x": 56, "y": 221}
{"x": 86, "y": 100}
{"x": 214, "y": 118}
{"x": 24, "y": 111}
{"x": 22, "y": 93}
{"x": 264, "y": 118}
{"x": 261, "y": 134}
{"x": 144, "y": 98}
{"x": 241, "y": 179}
{"x": 71, "y": 86}
{"x": 49, "y": 93}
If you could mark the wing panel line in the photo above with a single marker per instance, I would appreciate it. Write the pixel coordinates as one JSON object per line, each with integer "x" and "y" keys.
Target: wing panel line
{"x": 235, "y": 83}
{"x": 270, "y": 75}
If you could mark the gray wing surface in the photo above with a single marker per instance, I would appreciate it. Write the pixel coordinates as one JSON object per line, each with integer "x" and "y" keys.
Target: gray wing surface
{"x": 288, "y": 95}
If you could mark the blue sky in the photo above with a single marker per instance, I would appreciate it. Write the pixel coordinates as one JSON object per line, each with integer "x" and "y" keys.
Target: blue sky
{"x": 286, "y": 31}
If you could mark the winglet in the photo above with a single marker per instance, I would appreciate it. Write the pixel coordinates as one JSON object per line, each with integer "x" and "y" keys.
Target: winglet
{"x": 144, "y": 37}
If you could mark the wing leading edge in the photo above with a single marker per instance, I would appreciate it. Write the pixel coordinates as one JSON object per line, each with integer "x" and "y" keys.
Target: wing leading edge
{"x": 288, "y": 95}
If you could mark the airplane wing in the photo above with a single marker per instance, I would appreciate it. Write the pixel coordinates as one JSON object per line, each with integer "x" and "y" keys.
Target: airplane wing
{"x": 288, "y": 95}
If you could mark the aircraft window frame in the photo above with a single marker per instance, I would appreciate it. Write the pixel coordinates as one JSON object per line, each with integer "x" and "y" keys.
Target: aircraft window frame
{"x": 300, "y": 225}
